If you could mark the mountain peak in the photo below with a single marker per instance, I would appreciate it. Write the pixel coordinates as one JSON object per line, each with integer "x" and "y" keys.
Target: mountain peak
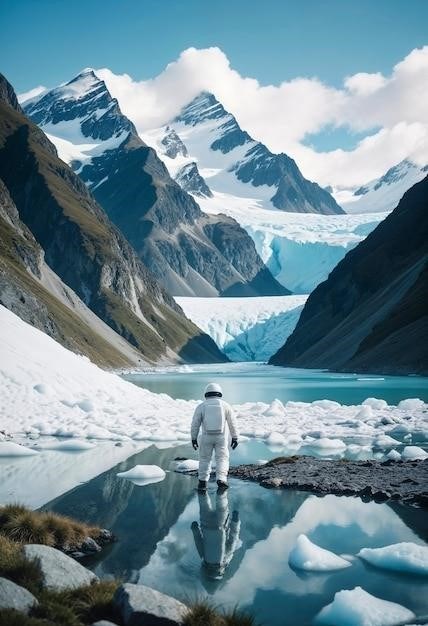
{"x": 86, "y": 99}
{"x": 202, "y": 108}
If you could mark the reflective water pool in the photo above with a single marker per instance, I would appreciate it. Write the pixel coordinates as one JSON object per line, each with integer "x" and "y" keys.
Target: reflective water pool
{"x": 234, "y": 548}
{"x": 258, "y": 382}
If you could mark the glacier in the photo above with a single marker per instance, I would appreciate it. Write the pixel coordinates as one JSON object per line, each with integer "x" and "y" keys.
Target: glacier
{"x": 246, "y": 329}
{"x": 300, "y": 249}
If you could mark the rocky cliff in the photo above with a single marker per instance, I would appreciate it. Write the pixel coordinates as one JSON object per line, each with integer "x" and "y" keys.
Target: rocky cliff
{"x": 371, "y": 314}
{"x": 83, "y": 249}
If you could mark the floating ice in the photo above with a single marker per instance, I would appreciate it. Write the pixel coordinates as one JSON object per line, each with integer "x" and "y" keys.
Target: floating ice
{"x": 411, "y": 453}
{"x": 144, "y": 474}
{"x": 411, "y": 404}
{"x": 375, "y": 403}
{"x": 393, "y": 455}
{"x": 310, "y": 557}
{"x": 327, "y": 444}
{"x": 385, "y": 441}
{"x": 401, "y": 557}
{"x": 276, "y": 439}
{"x": 186, "y": 465}
{"x": 356, "y": 607}
{"x": 9, "y": 448}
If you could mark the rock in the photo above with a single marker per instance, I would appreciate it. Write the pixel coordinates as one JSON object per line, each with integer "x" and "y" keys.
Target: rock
{"x": 103, "y": 622}
{"x": 89, "y": 545}
{"x": 139, "y": 604}
{"x": 59, "y": 571}
{"x": 13, "y": 596}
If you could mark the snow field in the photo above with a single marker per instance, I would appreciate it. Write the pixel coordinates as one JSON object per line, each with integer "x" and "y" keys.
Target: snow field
{"x": 246, "y": 329}
{"x": 46, "y": 390}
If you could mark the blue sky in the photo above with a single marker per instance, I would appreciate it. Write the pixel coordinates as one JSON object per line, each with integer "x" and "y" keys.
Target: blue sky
{"x": 47, "y": 41}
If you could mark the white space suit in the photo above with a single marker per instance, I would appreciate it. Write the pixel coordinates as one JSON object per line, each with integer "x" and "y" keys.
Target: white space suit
{"x": 215, "y": 420}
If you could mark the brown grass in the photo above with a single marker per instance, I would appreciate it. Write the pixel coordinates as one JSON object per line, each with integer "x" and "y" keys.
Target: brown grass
{"x": 22, "y": 525}
{"x": 205, "y": 614}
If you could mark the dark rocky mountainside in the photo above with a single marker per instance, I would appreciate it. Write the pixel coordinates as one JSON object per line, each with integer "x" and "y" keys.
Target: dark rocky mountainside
{"x": 254, "y": 163}
{"x": 371, "y": 314}
{"x": 31, "y": 290}
{"x": 161, "y": 221}
{"x": 82, "y": 248}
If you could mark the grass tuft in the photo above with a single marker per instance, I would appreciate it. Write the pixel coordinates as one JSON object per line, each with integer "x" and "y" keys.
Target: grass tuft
{"x": 205, "y": 614}
{"x": 26, "y": 526}
{"x": 14, "y": 566}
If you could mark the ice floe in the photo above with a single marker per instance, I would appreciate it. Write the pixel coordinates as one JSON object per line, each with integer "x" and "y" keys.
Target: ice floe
{"x": 143, "y": 474}
{"x": 356, "y": 607}
{"x": 310, "y": 557}
{"x": 410, "y": 453}
{"x": 402, "y": 557}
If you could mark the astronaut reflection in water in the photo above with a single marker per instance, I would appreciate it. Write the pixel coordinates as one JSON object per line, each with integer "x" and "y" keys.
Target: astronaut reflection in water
{"x": 217, "y": 535}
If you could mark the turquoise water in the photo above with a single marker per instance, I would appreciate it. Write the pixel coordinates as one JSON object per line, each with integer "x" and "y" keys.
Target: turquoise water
{"x": 164, "y": 541}
{"x": 253, "y": 382}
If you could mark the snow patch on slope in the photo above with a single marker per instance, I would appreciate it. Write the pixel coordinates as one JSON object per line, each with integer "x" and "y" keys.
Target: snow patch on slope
{"x": 382, "y": 194}
{"x": 246, "y": 329}
{"x": 46, "y": 390}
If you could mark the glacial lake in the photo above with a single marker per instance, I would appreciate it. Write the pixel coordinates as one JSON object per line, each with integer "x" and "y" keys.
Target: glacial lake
{"x": 258, "y": 382}
{"x": 165, "y": 530}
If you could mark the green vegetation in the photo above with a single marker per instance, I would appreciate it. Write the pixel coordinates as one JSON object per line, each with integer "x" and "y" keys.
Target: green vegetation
{"x": 21, "y": 525}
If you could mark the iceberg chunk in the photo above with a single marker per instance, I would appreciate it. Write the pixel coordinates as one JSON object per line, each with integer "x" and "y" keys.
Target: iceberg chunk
{"x": 310, "y": 557}
{"x": 142, "y": 475}
{"x": 356, "y": 607}
{"x": 401, "y": 557}
{"x": 411, "y": 453}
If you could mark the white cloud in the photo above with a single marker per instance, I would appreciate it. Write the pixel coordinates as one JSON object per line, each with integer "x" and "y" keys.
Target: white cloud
{"x": 32, "y": 93}
{"x": 283, "y": 116}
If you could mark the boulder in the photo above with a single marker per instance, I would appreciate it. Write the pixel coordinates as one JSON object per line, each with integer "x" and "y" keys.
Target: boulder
{"x": 139, "y": 605}
{"x": 13, "y": 596}
{"x": 103, "y": 622}
{"x": 59, "y": 571}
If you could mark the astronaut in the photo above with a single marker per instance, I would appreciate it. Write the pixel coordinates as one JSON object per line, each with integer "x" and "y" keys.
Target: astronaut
{"x": 215, "y": 419}
{"x": 217, "y": 535}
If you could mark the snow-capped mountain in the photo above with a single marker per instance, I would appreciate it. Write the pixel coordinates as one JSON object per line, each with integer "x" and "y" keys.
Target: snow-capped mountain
{"x": 382, "y": 194}
{"x": 232, "y": 162}
{"x": 66, "y": 269}
{"x": 189, "y": 252}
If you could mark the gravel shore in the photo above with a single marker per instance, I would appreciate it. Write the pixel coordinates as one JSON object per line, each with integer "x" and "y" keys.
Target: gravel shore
{"x": 403, "y": 481}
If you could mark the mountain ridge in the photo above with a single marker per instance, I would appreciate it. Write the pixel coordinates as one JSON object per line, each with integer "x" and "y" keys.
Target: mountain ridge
{"x": 164, "y": 224}
{"x": 85, "y": 251}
